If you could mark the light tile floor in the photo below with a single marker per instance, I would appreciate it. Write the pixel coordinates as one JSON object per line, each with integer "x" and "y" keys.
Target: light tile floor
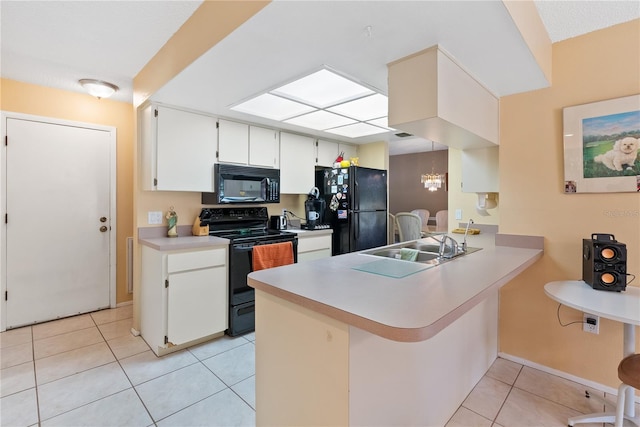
{"x": 89, "y": 370}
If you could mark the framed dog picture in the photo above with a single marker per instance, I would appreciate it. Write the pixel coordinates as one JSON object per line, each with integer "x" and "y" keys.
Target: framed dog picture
{"x": 601, "y": 143}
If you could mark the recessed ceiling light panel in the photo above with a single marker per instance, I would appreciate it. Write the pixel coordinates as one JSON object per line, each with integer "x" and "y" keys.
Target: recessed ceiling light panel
{"x": 272, "y": 107}
{"x": 357, "y": 130}
{"x": 322, "y": 89}
{"x": 364, "y": 109}
{"x": 383, "y": 122}
{"x": 320, "y": 120}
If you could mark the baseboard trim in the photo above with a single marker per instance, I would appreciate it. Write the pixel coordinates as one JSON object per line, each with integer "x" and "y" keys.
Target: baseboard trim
{"x": 562, "y": 374}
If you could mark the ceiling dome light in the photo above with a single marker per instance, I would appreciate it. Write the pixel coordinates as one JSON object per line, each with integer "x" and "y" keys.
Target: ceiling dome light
{"x": 98, "y": 88}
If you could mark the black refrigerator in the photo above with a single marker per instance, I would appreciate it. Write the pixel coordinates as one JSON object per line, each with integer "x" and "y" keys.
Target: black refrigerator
{"x": 356, "y": 206}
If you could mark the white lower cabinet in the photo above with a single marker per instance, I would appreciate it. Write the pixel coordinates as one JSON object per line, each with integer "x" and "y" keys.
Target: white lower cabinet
{"x": 184, "y": 297}
{"x": 313, "y": 247}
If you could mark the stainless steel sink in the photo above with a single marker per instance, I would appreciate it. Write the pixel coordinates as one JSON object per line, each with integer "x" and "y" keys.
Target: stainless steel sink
{"x": 428, "y": 251}
{"x": 396, "y": 253}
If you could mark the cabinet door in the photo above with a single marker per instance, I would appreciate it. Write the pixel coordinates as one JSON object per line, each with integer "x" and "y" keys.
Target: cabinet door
{"x": 348, "y": 150}
{"x": 297, "y": 163}
{"x": 264, "y": 149}
{"x": 233, "y": 142}
{"x": 185, "y": 147}
{"x": 316, "y": 247}
{"x": 480, "y": 168}
{"x": 197, "y": 304}
{"x": 326, "y": 153}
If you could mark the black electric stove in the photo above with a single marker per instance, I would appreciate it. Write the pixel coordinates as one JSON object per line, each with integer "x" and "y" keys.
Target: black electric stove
{"x": 245, "y": 228}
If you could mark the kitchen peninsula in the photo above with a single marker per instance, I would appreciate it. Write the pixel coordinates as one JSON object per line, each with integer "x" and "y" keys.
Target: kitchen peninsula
{"x": 339, "y": 345}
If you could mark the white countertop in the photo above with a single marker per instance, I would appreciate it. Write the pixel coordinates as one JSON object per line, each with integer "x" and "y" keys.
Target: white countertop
{"x": 308, "y": 233}
{"x": 412, "y": 308}
{"x": 184, "y": 242}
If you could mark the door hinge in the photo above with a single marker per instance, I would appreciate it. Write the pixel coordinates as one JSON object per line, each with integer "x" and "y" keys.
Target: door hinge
{"x": 217, "y": 154}
{"x": 166, "y": 283}
{"x": 6, "y": 140}
{"x": 166, "y": 339}
{"x": 6, "y": 218}
{"x": 6, "y": 295}
{"x": 155, "y": 113}
{"x": 217, "y": 125}
{"x": 155, "y": 182}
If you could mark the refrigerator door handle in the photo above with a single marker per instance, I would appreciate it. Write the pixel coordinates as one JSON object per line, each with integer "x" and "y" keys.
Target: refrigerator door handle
{"x": 356, "y": 227}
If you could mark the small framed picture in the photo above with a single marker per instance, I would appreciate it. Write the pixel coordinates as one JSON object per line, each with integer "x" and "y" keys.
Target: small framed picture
{"x": 601, "y": 143}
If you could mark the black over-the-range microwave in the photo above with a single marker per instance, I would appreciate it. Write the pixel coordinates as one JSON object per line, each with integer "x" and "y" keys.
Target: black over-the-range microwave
{"x": 243, "y": 184}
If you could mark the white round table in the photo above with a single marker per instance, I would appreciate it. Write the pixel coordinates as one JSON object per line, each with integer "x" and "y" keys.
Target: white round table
{"x": 620, "y": 306}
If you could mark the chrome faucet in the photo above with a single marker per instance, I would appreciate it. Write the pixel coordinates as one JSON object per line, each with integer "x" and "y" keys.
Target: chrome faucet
{"x": 443, "y": 245}
{"x": 466, "y": 231}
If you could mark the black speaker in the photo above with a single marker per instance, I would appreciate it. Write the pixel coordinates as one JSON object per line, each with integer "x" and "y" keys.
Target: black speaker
{"x": 604, "y": 263}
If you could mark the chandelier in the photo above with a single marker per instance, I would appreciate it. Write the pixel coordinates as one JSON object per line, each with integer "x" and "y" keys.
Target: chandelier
{"x": 432, "y": 181}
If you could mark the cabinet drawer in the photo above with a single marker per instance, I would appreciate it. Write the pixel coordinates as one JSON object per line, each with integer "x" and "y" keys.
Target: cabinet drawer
{"x": 195, "y": 259}
{"x": 307, "y": 244}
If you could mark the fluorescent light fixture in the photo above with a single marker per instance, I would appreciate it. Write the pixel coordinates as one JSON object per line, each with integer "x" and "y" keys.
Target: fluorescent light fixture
{"x": 326, "y": 101}
{"x": 272, "y": 107}
{"x": 356, "y": 130}
{"x": 322, "y": 89}
{"x": 320, "y": 120}
{"x": 363, "y": 109}
{"x": 98, "y": 88}
{"x": 383, "y": 122}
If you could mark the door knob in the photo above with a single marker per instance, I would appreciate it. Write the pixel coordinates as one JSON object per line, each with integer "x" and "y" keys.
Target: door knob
{"x": 103, "y": 219}
{"x": 103, "y": 228}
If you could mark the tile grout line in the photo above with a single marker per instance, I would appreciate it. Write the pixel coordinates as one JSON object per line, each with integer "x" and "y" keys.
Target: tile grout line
{"x": 494, "y": 421}
{"x": 125, "y": 372}
{"x": 35, "y": 377}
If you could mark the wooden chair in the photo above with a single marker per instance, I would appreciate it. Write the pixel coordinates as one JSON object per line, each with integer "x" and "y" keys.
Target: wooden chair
{"x": 629, "y": 374}
{"x": 442, "y": 220}
{"x": 409, "y": 226}
{"x": 424, "y": 217}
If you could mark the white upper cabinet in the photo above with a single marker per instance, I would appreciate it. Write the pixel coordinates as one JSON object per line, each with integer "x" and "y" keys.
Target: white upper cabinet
{"x": 264, "y": 148}
{"x": 297, "y": 163}
{"x": 177, "y": 149}
{"x": 480, "y": 170}
{"x": 326, "y": 153}
{"x": 243, "y": 144}
{"x": 233, "y": 142}
{"x": 348, "y": 150}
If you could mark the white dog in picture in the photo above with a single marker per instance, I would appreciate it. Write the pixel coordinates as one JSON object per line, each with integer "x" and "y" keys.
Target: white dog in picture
{"x": 624, "y": 152}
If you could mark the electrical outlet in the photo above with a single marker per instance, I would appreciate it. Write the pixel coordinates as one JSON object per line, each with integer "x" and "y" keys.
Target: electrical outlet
{"x": 458, "y": 213}
{"x": 155, "y": 217}
{"x": 591, "y": 323}
{"x": 284, "y": 212}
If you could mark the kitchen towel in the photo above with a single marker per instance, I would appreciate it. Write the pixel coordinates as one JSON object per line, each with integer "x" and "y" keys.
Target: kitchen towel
{"x": 408, "y": 254}
{"x": 272, "y": 255}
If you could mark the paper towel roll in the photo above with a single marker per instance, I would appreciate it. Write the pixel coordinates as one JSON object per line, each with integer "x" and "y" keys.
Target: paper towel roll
{"x": 485, "y": 201}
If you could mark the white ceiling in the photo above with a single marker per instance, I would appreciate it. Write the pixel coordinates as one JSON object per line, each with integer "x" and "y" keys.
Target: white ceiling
{"x": 56, "y": 43}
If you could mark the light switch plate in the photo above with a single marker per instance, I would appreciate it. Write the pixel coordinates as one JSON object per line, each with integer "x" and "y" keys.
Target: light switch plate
{"x": 155, "y": 217}
{"x": 458, "y": 213}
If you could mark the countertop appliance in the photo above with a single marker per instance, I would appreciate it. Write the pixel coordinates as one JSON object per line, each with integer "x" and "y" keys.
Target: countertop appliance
{"x": 243, "y": 184}
{"x": 245, "y": 228}
{"x": 356, "y": 206}
{"x": 314, "y": 209}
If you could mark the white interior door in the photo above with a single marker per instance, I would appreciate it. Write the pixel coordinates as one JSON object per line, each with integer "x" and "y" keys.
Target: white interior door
{"x": 58, "y": 198}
